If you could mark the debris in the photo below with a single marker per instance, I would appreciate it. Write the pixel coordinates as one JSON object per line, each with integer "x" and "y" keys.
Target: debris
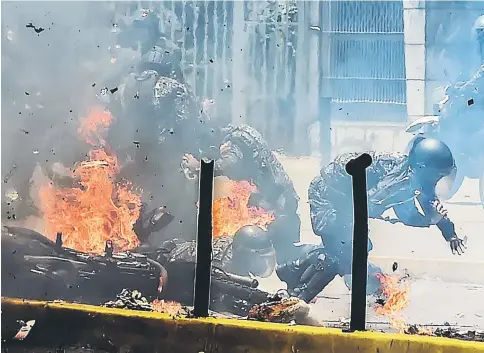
{"x": 394, "y": 266}
{"x": 315, "y": 28}
{"x": 132, "y": 300}
{"x": 24, "y": 330}
{"x": 113, "y": 90}
{"x": 35, "y": 151}
{"x": 10, "y": 174}
{"x": 470, "y": 335}
{"x": 344, "y": 320}
{"x": 470, "y": 102}
{"x": 11, "y": 194}
{"x": 9, "y": 35}
{"x": 418, "y": 330}
{"x": 36, "y": 29}
{"x": 280, "y": 308}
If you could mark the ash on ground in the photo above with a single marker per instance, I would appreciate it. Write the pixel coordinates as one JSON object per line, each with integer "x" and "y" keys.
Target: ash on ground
{"x": 448, "y": 332}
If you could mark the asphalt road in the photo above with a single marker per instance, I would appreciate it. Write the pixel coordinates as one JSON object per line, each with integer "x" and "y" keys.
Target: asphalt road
{"x": 444, "y": 287}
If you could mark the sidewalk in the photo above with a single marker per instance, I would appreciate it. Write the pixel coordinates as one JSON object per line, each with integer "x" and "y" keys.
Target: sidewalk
{"x": 431, "y": 302}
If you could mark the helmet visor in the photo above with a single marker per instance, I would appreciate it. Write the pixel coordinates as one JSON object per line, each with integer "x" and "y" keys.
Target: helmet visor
{"x": 444, "y": 185}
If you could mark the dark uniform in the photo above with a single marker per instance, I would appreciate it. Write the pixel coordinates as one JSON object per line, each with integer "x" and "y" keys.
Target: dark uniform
{"x": 245, "y": 155}
{"x": 164, "y": 121}
{"x": 398, "y": 181}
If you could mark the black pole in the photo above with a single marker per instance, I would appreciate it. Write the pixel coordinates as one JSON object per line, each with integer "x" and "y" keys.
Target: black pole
{"x": 203, "y": 270}
{"x": 357, "y": 169}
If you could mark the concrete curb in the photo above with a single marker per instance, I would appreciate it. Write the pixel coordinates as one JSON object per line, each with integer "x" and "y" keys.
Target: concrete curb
{"x": 61, "y": 324}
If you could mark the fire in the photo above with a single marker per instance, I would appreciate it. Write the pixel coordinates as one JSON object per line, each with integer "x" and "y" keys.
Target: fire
{"x": 168, "y": 307}
{"x": 232, "y": 212}
{"x": 395, "y": 293}
{"x": 97, "y": 209}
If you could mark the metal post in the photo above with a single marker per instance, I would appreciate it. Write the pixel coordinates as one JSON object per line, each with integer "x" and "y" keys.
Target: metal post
{"x": 357, "y": 169}
{"x": 203, "y": 270}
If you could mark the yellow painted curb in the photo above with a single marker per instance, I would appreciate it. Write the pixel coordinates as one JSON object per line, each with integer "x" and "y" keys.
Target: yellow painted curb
{"x": 60, "y": 324}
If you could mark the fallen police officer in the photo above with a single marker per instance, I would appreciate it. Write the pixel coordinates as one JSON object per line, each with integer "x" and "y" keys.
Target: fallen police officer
{"x": 410, "y": 184}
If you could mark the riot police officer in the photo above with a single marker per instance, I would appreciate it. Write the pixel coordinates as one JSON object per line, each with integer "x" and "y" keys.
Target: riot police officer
{"x": 398, "y": 181}
{"x": 244, "y": 155}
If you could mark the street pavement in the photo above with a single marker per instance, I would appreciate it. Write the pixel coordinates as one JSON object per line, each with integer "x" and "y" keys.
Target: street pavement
{"x": 444, "y": 287}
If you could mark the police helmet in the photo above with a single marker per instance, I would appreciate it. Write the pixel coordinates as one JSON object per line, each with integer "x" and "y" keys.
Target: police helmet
{"x": 253, "y": 252}
{"x": 433, "y": 164}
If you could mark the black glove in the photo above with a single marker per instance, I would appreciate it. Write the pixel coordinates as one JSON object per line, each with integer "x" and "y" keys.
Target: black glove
{"x": 457, "y": 245}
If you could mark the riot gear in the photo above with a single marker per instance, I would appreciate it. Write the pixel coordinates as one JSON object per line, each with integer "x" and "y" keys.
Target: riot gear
{"x": 394, "y": 181}
{"x": 433, "y": 164}
{"x": 252, "y": 252}
{"x": 245, "y": 155}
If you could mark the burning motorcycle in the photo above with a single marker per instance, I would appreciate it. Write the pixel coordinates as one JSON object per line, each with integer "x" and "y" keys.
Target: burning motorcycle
{"x": 463, "y": 140}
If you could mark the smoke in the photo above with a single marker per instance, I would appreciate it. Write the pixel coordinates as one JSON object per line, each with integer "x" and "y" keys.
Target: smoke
{"x": 452, "y": 49}
{"x": 56, "y": 57}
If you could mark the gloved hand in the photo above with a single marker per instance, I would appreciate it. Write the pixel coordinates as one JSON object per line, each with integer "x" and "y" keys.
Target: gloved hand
{"x": 190, "y": 166}
{"x": 457, "y": 245}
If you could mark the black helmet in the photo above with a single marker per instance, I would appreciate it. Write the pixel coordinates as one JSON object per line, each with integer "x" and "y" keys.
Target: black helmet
{"x": 433, "y": 163}
{"x": 253, "y": 252}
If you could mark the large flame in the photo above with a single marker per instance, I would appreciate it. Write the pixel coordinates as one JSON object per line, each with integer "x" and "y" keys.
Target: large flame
{"x": 232, "y": 212}
{"x": 395, "y": 291}
{"x": 97, "y": 209}
{"x": 395, "y": 294}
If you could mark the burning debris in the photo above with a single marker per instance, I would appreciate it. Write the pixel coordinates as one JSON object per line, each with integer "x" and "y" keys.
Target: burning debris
{"x": 169, "y": 307}
{"x": 96, "y": 208}
{"x": 394, "y": 293}
{"x": 280, "y": 308}
{"x": 232, "y": 211}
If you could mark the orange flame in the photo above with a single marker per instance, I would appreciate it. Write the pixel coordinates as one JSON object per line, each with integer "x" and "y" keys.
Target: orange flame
{"x": 98, "y": 208}
{"x": 168, "y": 307}
{"x": 232, "y": 212}
{"x": 395, "y": 293}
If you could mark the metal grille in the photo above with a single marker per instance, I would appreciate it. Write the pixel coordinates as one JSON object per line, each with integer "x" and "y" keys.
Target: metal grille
{"x": 271, "y": 66}
{"x": 367, "y": 60}
{"x": 225, "y": 43}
